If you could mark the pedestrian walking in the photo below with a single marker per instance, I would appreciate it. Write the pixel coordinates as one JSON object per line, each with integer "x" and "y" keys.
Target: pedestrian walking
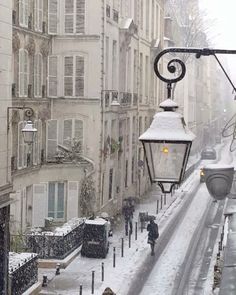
{"x": 128, "y": 210}
{"x": 108, "y": 291}
{"x": 153, "y": 234}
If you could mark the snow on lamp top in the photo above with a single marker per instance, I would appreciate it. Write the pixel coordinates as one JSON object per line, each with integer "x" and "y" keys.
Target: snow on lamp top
{"x": 168, "y": 125}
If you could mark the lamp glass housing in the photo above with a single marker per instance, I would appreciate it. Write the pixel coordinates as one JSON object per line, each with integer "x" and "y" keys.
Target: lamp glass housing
{"x": 29, "y": 132}
{"x": 166, "y": 160}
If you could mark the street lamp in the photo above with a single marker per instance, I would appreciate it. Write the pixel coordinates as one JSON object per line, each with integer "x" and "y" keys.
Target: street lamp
{"x": 167, "y": 142}
{"x": 29, "y": 132}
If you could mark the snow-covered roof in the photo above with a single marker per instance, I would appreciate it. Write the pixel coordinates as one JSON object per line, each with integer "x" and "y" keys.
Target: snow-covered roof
{"x": 126, "y": 23}
{"x": 97, "y": 221}
{"x": 218, "y": 166}
{"x": 167, "y": 126}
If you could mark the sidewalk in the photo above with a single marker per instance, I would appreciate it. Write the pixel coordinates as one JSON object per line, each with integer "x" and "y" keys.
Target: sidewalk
{"x": 79, "y": 272}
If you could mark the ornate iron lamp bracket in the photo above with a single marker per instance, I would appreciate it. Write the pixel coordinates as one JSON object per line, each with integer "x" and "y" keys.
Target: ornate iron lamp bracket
{"x": 172, "y": 64}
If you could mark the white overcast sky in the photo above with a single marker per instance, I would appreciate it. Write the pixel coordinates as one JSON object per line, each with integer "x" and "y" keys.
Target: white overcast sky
{"x": 223, "y": 25}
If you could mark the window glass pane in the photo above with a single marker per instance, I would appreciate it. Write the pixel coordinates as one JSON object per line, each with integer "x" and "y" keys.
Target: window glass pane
{"x": 51, "y": 200}
{"x": 60, "y": 202}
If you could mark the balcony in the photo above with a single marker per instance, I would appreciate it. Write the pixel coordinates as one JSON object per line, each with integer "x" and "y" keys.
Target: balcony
{"x": 109, "y": 97}
{"x": 125, "y": 98}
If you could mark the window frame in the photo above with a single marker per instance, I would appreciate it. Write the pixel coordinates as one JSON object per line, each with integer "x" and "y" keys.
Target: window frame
{"x": 23, "y": 64}
{"x": 75, "y": 17}
{"x": 38, "y": 11}
{"x": 38, "y": 63}
{"x": 56, "y": 200}
{"x": 25, "y": 13}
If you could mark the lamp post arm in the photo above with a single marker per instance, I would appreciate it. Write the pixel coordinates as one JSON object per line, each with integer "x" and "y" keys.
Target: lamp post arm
{"x": 171, "y": 66}
{"x": 31, "y": 112}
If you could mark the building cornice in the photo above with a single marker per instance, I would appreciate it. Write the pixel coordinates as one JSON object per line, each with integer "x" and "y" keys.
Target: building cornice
{"x": 32, "y": 33}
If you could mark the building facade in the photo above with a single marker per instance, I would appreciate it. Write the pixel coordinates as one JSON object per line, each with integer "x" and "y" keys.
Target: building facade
{"x": 85, "y": 68}
{"x": 5, "y": 101}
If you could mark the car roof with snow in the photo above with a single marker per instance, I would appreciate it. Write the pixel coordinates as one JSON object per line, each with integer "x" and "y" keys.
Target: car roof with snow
{"x": 97, "y": 221}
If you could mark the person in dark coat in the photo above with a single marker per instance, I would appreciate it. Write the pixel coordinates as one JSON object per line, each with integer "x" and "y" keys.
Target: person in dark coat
{"x": 127, "y": 211}
{"x": 153, "y": 234}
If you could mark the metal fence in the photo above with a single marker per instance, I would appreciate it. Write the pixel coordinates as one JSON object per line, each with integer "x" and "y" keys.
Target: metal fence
{"x": 54, "y": 246}
{"x": 23, "y": 276}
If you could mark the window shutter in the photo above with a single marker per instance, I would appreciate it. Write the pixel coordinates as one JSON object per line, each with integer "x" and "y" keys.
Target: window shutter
{"x": 39, "y": 136}
{"x": 51, "y": 139}
{"x": 20, "y": 146}
{"x": 26, "y": 67}
{"x": 68, "y": 76}
{"x": 26, "y": 147}
{"x": 78, "y": 132}
{"x": 52, "y": 16}
{"x": 38, "y": 75}
{"x": 80, "y": 16}
{"x": 39, "y": 204}
{"x": 26, "y": 12}
{"x": 69, "y": 16}
{"x": 67, "y": 132}
{"x": 40, "y": 15}
{"x": 52, "y": 75}
{"x": 79, "y": 76}
{"x": 35, "y": 145}
{"x": 21, "y": 72}
{"x": 72, "y": 199}
{"x": 21, "y": 12}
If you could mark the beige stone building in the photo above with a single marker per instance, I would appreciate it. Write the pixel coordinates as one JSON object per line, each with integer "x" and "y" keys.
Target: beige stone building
{"x": 85, "y": 68}
{"x": 5, "y": 102}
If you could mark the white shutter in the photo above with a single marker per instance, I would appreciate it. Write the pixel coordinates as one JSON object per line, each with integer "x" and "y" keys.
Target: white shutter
{"x": 79, "y": 76}
{"x": 51, "y": 139}
{"x": 40, "y": 15}
{"x": 26, "y": 12}
{"x": 68, "y": 76}
{"x": 35, "y": 145}
{"x": 69, "y": 16}
{"x": 21, "y": 12}
{"x": 52, "y": 16}
{"x": 26, "y": 68}
{"x": 52, "y": 76}
{"x": 38, "y": 75}
{"x": 15, "y": 210}
{"x": 20, "y": 146}
{"x": 72, "y": 199}
{"x": 80, "y": 16}
{"x": 39, "y": 210}
{"x": 39, "y": 136}
{"x": 21, "y": 72}
{"x": 78, "y": 130}
{"x": 67, "y": 132}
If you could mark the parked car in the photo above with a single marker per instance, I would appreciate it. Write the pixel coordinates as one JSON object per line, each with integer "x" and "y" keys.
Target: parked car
{"x": 95, "y": 238}
{"x": 202, "y": 175}
{"x": 208, "y": 153}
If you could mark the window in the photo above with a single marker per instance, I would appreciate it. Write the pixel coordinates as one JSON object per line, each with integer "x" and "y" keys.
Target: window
{"x": 110, "y": 184}
{"x": 135, "y": 84}
{"x": 141, "y": 77}
{"x": 107, "y": 63}
{"x": 38, "y": 15}
{"x": 114, "y": 64}
{"x": 73, "y": 76}
{"x": 56, "y": 200}
{"x": 22, "y": 147}
{"x": 141, "y": 14}
{"x": 74, "y": 16}
{"x": 52, "y": 139}
{"x": 52, "y": 16}
{"x": 146, "y": 76}
{"x": 126, "y": 173}
{"x": 23, "y": 73}
{"x": 132, "y": 171}
{"x": 52, "y": 76}
{"x": 37, "y": 144}
{"x": 140, "y": 124}
{"x": 134, "y": 130}
{"x": 72, "y": 130}
{"x": 147, "y": 18}
{"x": 23, "y": 12}
{"x": 38, "y": 70}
